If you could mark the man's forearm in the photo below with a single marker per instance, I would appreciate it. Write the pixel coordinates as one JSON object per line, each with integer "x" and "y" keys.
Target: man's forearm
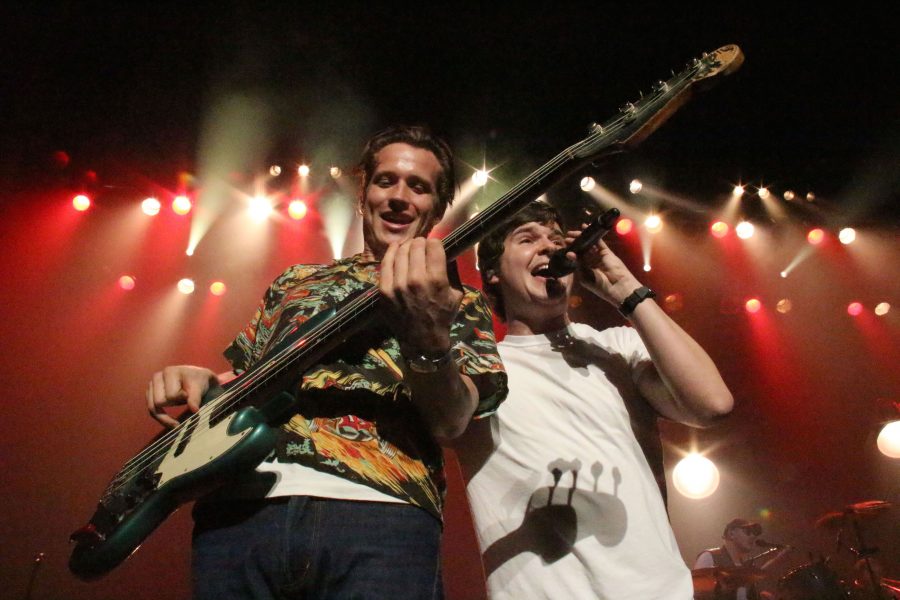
{"x": 698, "y": 393}
{"x": 446, "y": 400}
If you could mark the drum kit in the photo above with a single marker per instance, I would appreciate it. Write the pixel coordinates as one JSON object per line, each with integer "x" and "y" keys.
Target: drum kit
{"x": 815, "y": 580}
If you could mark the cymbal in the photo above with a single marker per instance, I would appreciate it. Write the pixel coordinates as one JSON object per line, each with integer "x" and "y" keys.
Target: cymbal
{"x": 867, "y": 508}
{"x": 705, "y": 579}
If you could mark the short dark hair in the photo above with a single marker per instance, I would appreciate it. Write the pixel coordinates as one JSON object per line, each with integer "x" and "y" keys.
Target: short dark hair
{"x": 490, "y": 249}
{"x": 418, "y": 136}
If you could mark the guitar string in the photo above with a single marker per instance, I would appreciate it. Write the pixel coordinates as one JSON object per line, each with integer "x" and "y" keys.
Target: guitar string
{"x": 284, "y": 358}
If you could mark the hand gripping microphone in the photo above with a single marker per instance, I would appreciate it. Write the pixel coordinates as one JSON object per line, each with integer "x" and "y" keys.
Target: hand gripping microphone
{"x": 599, "y": 226}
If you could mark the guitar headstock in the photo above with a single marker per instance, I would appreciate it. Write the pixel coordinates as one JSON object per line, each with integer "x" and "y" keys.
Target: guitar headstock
{"x": 724, "y": 61}
{"x": 637, "y": 120}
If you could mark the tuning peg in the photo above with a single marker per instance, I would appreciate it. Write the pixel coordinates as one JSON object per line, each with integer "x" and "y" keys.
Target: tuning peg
{"x": 595, "y": 128}
{"x": 661, "y": 86}
{"x": 627, "y": 108}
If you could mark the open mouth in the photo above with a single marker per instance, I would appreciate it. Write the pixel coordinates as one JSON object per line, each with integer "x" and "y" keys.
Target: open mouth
{"x": 542, "y": 271}
{"x": 397, "y": 218}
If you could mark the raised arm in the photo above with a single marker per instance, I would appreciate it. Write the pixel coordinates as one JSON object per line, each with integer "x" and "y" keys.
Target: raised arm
{"x": 414, "y": 279}
{"x": 684, "y": 384}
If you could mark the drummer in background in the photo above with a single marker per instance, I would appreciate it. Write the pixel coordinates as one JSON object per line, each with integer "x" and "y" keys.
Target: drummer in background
{"x": 739, "y": 548}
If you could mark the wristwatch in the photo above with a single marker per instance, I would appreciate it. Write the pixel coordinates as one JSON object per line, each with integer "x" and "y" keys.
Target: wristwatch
{"x": 424, "y": 363}
{"x": 637, "y": 296}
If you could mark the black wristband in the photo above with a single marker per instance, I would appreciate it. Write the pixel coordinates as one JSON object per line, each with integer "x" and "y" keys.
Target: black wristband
{"x": 637, "y": 296}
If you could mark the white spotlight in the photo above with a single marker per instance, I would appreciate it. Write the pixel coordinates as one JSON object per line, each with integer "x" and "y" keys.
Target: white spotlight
{"x": 763, "y": 192}
{"x": 738, "y": 191}
{"x": 847, "y": 235}
{"x": 260, "y": 208}
{"x": 889, "y": 440}
{"x": 653, "y": 223}
{"x": 275, "y": 170}
{"x": 744, "y": 230}
{"x": 587, "y": 184}
{"x": 480, "y": 177}
{"x": 303, "y": 170}
{"x": 695, "y": 476}
{"x": 186, "y": 286}
{"x": 635, "y": 186}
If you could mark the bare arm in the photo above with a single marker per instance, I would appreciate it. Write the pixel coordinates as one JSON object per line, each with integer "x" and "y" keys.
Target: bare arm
{"x": 684, "y": 384}
{"x": 180, "y": 385}
{"x": 414, "y": 279}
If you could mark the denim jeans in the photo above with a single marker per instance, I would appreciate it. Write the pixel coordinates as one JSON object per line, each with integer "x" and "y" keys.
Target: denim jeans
{"x": 311, "y": 548}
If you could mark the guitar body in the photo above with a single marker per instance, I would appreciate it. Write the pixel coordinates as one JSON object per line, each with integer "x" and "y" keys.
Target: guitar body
{"x": 236, "y": 427}
{"x": 132, "y": 510}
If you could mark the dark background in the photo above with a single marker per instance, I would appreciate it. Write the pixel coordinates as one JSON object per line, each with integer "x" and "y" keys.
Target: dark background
{"x": 133, "y": 95}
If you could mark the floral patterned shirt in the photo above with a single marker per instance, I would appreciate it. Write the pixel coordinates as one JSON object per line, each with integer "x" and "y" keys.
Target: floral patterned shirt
{"x": 354, "y": 416}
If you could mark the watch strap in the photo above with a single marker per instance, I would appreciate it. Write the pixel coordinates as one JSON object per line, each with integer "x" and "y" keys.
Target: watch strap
{"x": 636, "y": 297}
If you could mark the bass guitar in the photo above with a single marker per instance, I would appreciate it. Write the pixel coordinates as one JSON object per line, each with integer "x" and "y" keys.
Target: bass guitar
{"x": 236, "y": 426}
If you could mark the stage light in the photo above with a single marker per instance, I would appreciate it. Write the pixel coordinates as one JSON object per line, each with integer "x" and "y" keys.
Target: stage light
{"x": 882, "y": 308}
{"x": 854, "y": 309}
{"x": 181, "y": 205}
{"x": 480, "y": 178}
{"x": 587, "y": 184}
{"x": 789, "y": 195}
{"x": 695, "y": 476}
{"x": 624, "y": 226}
{"x": 653, "y": 224}
{"x": 753, "y": 306}
{"x": 847, "y": 235}
{"x": 150, "y": 206}
{"x": 275, "y": 170}
{"x": 186, "y": 286}
{"x": 647, "y": 267}
{"x": 126, "y": 282}
{"x": 738, "y": 191}
{"x": 303, "y": 170}
{"x": 784, "y": 274}
{"x": 260, "y": 208}
{"x": 763, "y": 192}
{"x": 810, "y": 197}
{"x": 889, "y": 440}
{"x": 784, "y": 306}
{"x": 217, "y": 288}
{"x": 719, "y": 229}
{"x": 335, "y": 172}
{"x": 744, "y": 230}
{"x": 815, "y": 236}
{"x": 81, "y": 202}
{"x": 297, "y": 209}
{"x": 673, "y": 302}
{"x": 635, "y": 186}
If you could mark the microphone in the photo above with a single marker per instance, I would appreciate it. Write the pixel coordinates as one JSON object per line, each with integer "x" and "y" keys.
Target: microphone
{"x": 561, "y": 266}
{"x": 765, "y": 544}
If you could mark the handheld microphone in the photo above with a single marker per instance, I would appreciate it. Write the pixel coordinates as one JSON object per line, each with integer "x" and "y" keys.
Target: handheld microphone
{"x": 765, "y": 544}
{"x": 561, "y": 266}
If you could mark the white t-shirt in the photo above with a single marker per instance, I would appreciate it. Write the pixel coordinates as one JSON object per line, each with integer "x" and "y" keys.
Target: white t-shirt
{"x": 566, "y": 506}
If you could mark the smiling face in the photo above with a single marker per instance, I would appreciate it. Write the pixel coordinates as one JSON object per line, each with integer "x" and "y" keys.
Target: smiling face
{"x": 532, "y": 299}
{"x": 400, "y": 199}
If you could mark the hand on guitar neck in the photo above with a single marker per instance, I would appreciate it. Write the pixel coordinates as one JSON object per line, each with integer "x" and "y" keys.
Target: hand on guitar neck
{"x": 180, "y": 385}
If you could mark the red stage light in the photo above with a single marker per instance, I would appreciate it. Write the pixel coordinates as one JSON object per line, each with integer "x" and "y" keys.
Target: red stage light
{"x": 854, "y": 309}
{"x": 624, "y": 226}
{"x": 815, "y": 236}
{"x": 719, "y": 229}
{"x": 753, "y": 305}
{"x": 126, "y": 282}
{"x": 81, "y": 202}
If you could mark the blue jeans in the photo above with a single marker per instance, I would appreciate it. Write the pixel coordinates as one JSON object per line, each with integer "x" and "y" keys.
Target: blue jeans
{"x": 311, "y": 548}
